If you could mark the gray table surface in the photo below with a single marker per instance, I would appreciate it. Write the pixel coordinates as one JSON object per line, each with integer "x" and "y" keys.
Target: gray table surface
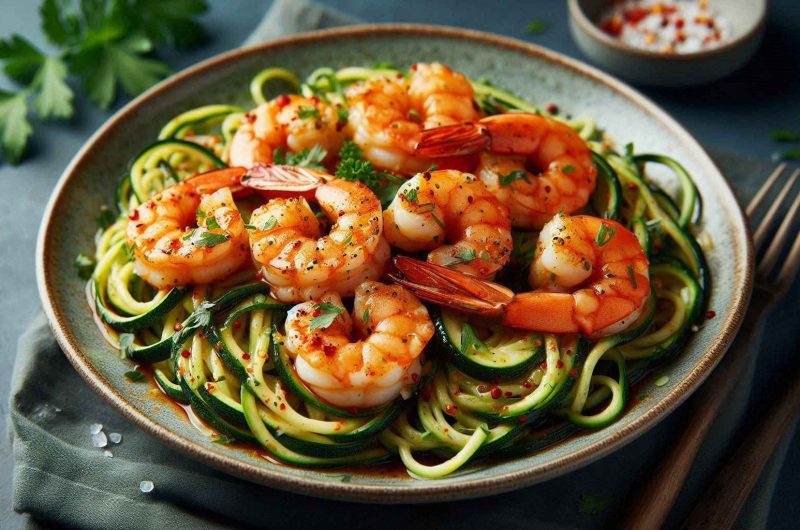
{"x": 736, "y": 114}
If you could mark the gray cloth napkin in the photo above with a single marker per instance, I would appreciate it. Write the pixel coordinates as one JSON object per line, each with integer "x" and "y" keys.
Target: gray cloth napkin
{"x": 60, "y": 476}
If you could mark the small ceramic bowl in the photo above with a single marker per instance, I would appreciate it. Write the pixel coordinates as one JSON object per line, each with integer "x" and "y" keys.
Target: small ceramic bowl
{"x": 746, "y": 18}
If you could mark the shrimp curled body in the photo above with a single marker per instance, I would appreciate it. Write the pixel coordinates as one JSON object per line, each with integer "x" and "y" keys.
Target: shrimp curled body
{"x": 535, "y": 165}
{"x": 393, "y": 327}
{"x": 448, "y": 205}
{"x": 591, "y": 277}
{"x": 300, "y": 263}
{"x": 387, "y": 114}
{"x": 290, "y": 122}
{"x": 169, "y": 252}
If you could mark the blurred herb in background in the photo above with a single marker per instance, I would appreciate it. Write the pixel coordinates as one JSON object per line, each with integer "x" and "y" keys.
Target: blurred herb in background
{"x": 105, "y": 44}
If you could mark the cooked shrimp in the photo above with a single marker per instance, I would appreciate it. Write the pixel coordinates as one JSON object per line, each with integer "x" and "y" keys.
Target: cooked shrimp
{"x": 300, "y": 263}
{"x": 290, "y": 122}
{"x": 392, "y": 328}
{"x": 448, "y": 205}
{"x": 169, "y": 252}
{"x": 591, "y": 277}
{"x": 562, "y": 181}
{"x": 387, "y": 114}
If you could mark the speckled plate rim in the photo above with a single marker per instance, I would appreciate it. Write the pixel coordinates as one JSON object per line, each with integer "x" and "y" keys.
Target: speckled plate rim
{"x": 469, "y": 486}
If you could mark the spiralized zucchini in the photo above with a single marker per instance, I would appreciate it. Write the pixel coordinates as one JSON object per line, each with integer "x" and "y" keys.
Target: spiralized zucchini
{"x": 220, "y": 347}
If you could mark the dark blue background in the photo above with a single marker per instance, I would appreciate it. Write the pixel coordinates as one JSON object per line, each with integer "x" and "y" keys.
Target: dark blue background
{"x": 736, "y": 113}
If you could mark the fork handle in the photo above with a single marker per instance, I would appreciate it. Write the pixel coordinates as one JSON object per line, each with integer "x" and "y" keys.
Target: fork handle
{"x": 653, "y": 505}
{"x": 720, "y": 504}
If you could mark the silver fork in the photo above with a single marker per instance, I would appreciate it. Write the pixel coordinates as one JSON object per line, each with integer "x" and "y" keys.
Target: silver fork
{"x": 721, "y": 503}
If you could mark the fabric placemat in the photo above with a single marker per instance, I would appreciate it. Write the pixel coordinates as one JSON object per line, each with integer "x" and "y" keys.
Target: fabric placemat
{"x": 60, "y": 476}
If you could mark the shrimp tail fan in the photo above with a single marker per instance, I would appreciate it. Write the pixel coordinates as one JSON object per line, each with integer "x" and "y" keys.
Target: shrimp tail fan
{"x": 211, "y": 181}
{"x": 453, "y": 140}
{"x": 450, "y": 288}
{"x": 278, "y": 177}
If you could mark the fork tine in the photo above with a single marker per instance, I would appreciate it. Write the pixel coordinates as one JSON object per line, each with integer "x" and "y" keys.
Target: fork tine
{"x": 772, "y": 213}
{"x": 791, "y": 266}
{"x": 781, "y": 237}
{"x": 755, "y": 202}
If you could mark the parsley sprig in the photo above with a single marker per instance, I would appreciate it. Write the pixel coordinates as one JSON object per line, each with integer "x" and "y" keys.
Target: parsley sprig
{"x": 307, "y": 157}
{"x": 324, "y": 315}
{"x": 102, "y": 43}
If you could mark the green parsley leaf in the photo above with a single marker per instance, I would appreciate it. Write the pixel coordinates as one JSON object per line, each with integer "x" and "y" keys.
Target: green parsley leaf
{"x": 84, "y": 265}
{"x": 129, "y": 250}
{"x": 517, "y": 174}
{"x": 55, "y": 96}
{"x": 470, "y": 342}
{"x": 347, "y": 240}
{"x": 791, "y": 154}
{"x": 125, "y": 344}
{"x": 250, "y": 227}
{"x": 270, "y": 223}
{"x": 463, "y": 256}
{"x": 172, "y": 21}
{"x": 411, "y": 195}
{"x": 327, "y": 314}
{"x": 632, "y": 276}
{"x": 14, "y": 124}
{"x": 604, "y": 235}
{"x": 211, "y": 223}
{"x": 22, "y": 59}
{"x": 536, "y": 26}
{"x": 568, "y": 169}
{"x": 432, "y": 167}
{"x": 59, "y": 23}
{"x": 105, "y": 217}
{"x": 200, "y": 213}
{"x": 352, "y": 166}
{"x": 210, "y": 239}
{"x": 383, "y": 65}
{"x": 135, "y": 376}
{"x": 365, "y": 316}
{"x": 343, "y": 114}
{"x": 784, "y": 135}
{"x": 306, "y": 113}
{"x": 306, "y": 158}
{"x": 223, "y": 440}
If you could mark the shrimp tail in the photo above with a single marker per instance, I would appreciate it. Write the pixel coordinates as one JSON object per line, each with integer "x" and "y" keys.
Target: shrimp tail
{"x": 453, "y": 140}
{"x": 277, "y": 177}
{"x": 211, "y": 181}
{"x": 454, "y": 289}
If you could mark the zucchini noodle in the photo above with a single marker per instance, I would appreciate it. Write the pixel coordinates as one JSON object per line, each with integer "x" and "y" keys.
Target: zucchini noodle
{"x": 220, "y": 347}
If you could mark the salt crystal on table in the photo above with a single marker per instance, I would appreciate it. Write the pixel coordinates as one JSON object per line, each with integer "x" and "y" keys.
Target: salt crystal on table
{"x": 95, "y": 428}
{"x": 115, "y": 437}
{"x": 99, "y": 439}
{"x": 146, "y": 486}
{"x": 108, "y": 454}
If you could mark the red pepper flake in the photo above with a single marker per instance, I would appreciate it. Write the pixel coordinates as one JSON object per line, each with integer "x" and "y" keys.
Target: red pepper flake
{"x": 178, "y": 326}
{"x": 316, "y": 341}
{"x": 283, "y": 406}
{"x": 451, "y": 409}
{"x": 134, "y": 215}
{"x": 569, "y": 353}
{"x": 509, "y": 394}
{"x": 527, "y": 384}
{"x": 283, "y": 100}
{"x": 633, "y": 186}
{"x": 636, "y": 14}
{"x": 522, "y": 420}
{"x": 246, "y": 356}
{"x": 543, "y": 366}
{"x": 679, "y": 23}
{"x": 415, "y": 377}
{"x": 496, "y": 393}
{"x": 552, "y": 108}
{"x": 711, "y": 314}
{"x": 317, "y": 312}
{"x": 559, "y": 364}
{"x": 185, "y": 354}
{"x": 573, "y": 373}
{"x": 237, "y": 325}
{"x": 329, "y": 349}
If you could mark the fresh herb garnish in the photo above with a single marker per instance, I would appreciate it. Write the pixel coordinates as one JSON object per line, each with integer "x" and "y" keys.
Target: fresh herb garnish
{"x": 188, "y": 235}
{"x": 129, "y": 250}
{"x": 105, "y": 217}
{"x": 432, "y": 167}
{"x": 84, "y": 265}
{"x": 125, "y": 344}
{"x": 365, "y": 316}
{"x": 784, "y": 135}
{"x": 104, "y": 43}
{"x": 411, "y": 195}
{"x": 250, "y": 227}
{"x": 463, "y": 256}
{"x": 352, "y": 166}
{"x": 308, "y": 113}
{"x": 135, "y": 375}
{"x": 200, "y": 213}
{"x": 347, "y": 240}
{"x": 605, "y": 234}
{"x": 536, "y": 26}
{"x": 211, "y": 223}
{"x": 568, "y": 169}
{"x": 210, "y": 239}
{"x": 470, "y": 341}
{"x": 270, "y": 223}
{"x": 791, "y": 154}
{"x": 343, "y": 114}
{"x": 438, "y": 222}
{"x": 632, "y": 276}
{"x": 325, "y": 314}
{"x": 515, "y": 175}
{"x": 223, "y": 440}
{"x": 306, "y": 158}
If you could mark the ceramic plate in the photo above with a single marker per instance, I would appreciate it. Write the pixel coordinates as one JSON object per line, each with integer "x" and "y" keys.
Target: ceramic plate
{"x": 534, "y": 73}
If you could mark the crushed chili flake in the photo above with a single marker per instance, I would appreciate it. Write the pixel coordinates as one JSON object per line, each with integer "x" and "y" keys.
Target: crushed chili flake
{"x": 178, "y": 326}
{"x": 559, "y": 364}
{"x": 522, "y": 420}
{"x": 237, "y": 325}
{"x": 185, "y": 354}
{"x": 246, "y": 356}
{"x": 134, "y": 215}
{"x": 451, "y": 409}
{"x": 666, "y": 26}
{"x": 711, "y": 314}
{"x": 496, "y": 393}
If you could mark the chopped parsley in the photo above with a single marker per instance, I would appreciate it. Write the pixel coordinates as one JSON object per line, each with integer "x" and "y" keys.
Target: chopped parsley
{"x": 270, "y": 223}
{"x": 365, "y": 316}
{"x": 411, "y": 195}
{"x": 633, "y": 277}
{"x": 125, "y": 344}
{"x": 105, "y": 217}
{"x": 200, "y": 213}
{"x": 791, "y": 154}
{"x": 352, "y": 166}
{"x": 470, "y": 341}
{"x": 604, "y": 235}
{"x": 134, "y": 376}
{"x": 84, "y": 265}
{"x": 536, "y": 27}
{"x": 223, "y": 440}
{"x": 347, "y": 240}
{"x": 514, "y": 176}
{"x": 568, "y": 169}
{"x": 343, "y": 114}
{"x": 784, "y": 135}
{"x": 129, "y": 250}
{"x": 210, "y": 239}
{"x": 324, "y": 315}
{"x": 306, "y": 158}
{"x": 211, "y": 223}
{"x": 306, "y": 113}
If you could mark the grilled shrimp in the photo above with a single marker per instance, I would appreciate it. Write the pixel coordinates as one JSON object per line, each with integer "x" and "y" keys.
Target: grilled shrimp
{"x": 448, "y": 205}
{"x": 535, "y": 165}
{"x": 590, "y": 276}
{"x": 387, "y": 114}
{"x": 290, "y": 122}
{"x": 392, "y": 328}
{"x": 191, "y": 232}
{"x": 296, "y": 260}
